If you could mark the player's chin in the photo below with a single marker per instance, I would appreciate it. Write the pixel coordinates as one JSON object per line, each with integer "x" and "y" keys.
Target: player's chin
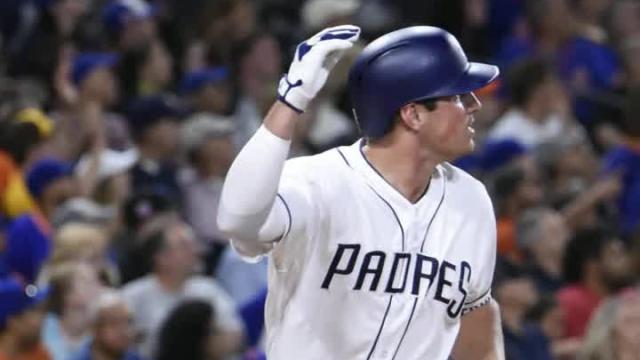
{"x": 463, "y": 149}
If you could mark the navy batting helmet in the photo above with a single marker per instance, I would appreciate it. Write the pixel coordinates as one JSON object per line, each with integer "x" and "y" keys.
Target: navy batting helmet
{"x": 408, "y": 65}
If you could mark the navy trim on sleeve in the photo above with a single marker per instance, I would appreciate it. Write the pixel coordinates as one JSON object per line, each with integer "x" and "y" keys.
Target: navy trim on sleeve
{"x": 286, "y": 206}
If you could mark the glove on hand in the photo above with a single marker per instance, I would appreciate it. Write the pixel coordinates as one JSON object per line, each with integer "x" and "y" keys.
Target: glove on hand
{"x": 313, "y": 60}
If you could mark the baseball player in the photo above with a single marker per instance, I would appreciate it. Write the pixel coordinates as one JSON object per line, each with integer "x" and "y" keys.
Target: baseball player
{"x": 381, "y": 249}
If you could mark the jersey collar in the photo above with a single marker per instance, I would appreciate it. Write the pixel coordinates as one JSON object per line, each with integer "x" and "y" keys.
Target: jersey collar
{"x": 356, "y": 159}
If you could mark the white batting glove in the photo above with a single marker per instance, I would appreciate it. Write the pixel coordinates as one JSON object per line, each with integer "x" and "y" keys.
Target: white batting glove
{"x": 313, "y": 60}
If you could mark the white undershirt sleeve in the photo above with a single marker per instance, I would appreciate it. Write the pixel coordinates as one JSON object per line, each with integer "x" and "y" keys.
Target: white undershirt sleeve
{"x": 250, "y": 211}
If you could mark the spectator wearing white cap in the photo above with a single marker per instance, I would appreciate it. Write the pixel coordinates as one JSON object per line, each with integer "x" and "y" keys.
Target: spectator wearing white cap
{"x": 207, "y": 143}
{"x": 106, "y": 186}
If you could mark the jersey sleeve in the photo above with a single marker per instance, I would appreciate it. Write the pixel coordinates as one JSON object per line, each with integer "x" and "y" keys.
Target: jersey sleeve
{"x": 484, "y": 260}
{"x": 291, "y": 215}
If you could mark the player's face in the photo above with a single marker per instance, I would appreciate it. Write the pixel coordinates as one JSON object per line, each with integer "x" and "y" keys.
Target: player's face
{"x": 448, "y": 129}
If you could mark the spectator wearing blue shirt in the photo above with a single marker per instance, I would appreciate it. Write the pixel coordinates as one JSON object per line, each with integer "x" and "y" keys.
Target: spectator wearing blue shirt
{"x": 516, "y": 293}
{"x": 28, "y": 239}
{"x": 542, "y": 34}
{"x": 625, "y": 161}
{"x": 153, "y": 121}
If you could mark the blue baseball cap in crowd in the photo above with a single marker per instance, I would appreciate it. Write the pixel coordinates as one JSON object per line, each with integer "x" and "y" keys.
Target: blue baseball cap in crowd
{"x": 118, "y": 13}
{"x": 17, "y": 298}
{"x": 85, "y": 63}
{"x": 147, "y": 111}
{"x": 44, "y": 172}
{"x": 196, "y": 80}
{"x": 498, "y": 153}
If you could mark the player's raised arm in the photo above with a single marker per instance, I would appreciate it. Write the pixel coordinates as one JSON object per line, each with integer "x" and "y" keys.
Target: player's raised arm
{"x": 248, "y": 210}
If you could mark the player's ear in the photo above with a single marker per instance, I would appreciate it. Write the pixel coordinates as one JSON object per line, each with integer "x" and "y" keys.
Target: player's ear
{"x": 410, "y": 117}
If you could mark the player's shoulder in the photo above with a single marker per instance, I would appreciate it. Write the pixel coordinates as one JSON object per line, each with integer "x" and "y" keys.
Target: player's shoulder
{"x": 463, "y": 185}
{"x": 459, "y": 177}
{"x": 320, "y": 164}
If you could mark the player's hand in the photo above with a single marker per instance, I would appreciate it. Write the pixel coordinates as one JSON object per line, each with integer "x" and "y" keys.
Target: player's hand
{"x": 313, "y": 60}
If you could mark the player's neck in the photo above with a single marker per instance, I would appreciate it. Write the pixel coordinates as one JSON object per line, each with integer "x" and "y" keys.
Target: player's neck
{"x": 402, "y": 165}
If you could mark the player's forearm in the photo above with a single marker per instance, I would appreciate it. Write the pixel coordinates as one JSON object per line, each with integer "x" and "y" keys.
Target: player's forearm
{"x": 281, "y": 120}
{"x": 480, "y": 335}
{"x": 252, "y": 182}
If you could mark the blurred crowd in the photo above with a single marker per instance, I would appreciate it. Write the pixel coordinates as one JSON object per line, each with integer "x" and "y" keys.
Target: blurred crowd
{"x": 120, "y": 118}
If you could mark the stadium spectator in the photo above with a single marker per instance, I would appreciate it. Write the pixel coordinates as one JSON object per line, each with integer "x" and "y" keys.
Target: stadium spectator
{"x": 241, "y": 280}
{"x": 172, "y": 250}
{"x": 189, "y": 333}
{"x": 207, "y": 90}
{"x": 28, "y": 243}
{"x": 516, "y": 294}
{"x": 140, "y": 209}
{"x": 20, "y": 137}
{"x": 81, "y": 242}
{"x": 73, "y": 288}
{"x": 113, "y": 333}
{"x": 515, "y": 188}
{"x": 542, "y": 236}
{"x": 107, "y": 185}
{"x": 543, "y": 33}
{"x": 130, "y": 24}
{"x": 146, "y": 72}
{"x": 21, "y": 315}
{"x": 207, "y": 142}
{"x": 259, "y": 69}
{"x": 46, "y": 28}
{"x": 88, "y": 88}
{"x": 223, "y": 26}
{"x": 154, "y": 125}
{"x": 614, "y": 330}
{"x": 539, "y": 108}
{"x": 624, "y": 161}
{"x": 595, "y": 265}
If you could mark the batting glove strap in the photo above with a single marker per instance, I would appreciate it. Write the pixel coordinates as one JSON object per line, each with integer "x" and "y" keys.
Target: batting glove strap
{"x": 293, "y": 99}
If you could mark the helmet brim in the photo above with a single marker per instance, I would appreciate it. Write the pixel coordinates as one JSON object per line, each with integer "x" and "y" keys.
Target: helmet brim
{"x": 477, "y": 76}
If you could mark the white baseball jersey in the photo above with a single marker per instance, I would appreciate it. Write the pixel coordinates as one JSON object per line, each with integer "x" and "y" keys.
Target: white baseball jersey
{"x": 363, "y": 273}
